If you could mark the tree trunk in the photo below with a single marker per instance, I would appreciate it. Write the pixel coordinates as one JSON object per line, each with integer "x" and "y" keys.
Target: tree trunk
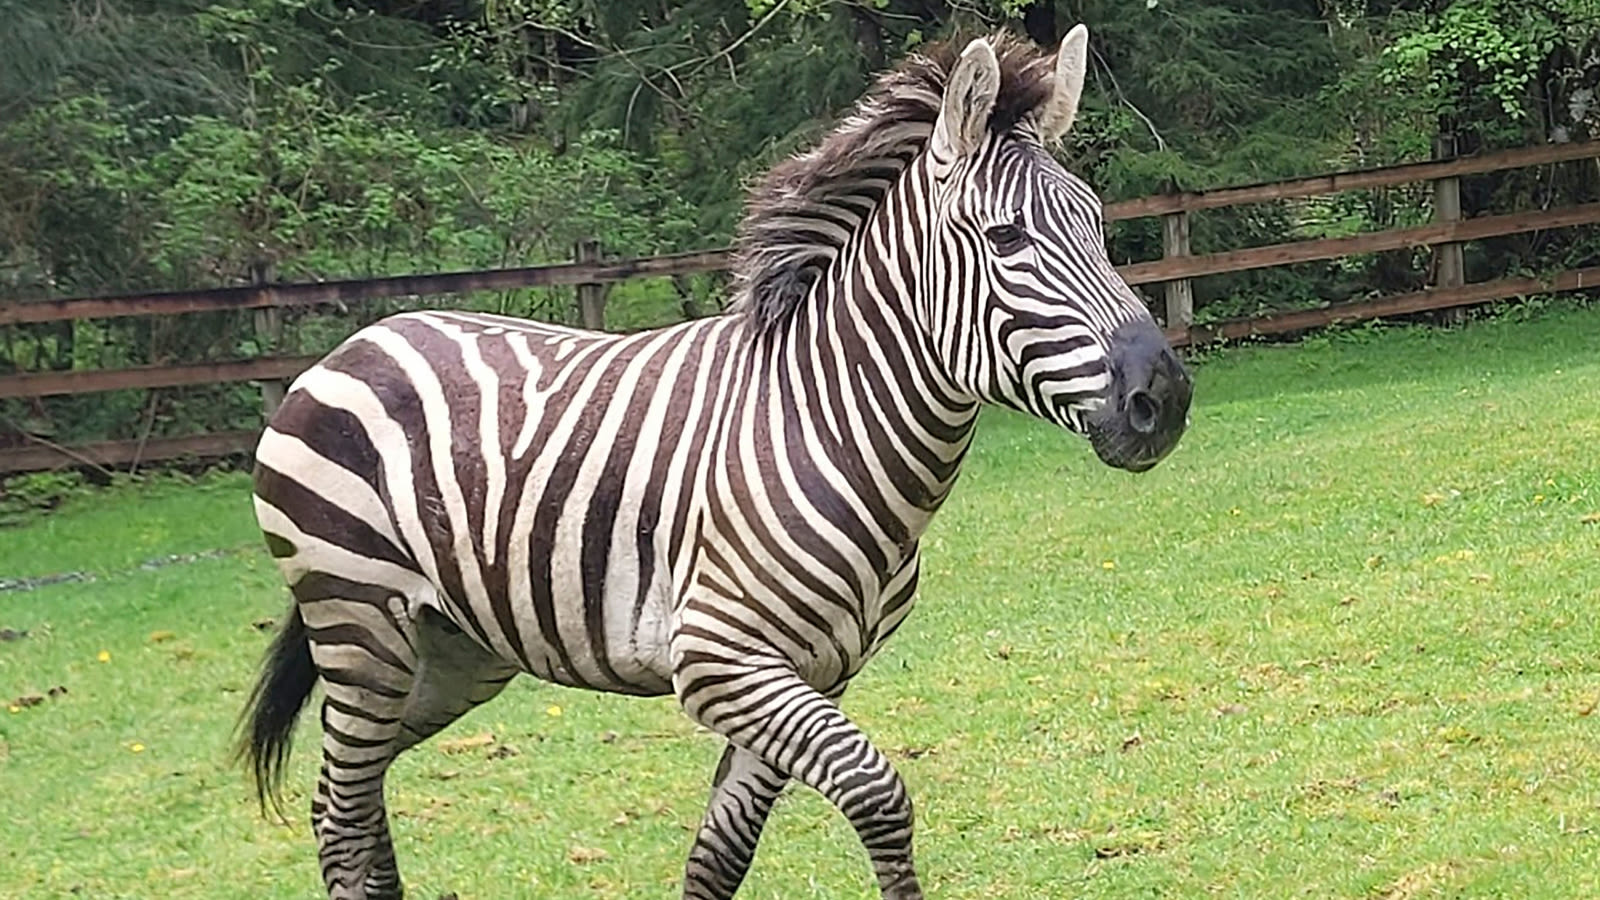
{"x": 869, "y": 37}
{"x": 1039, "y": 20}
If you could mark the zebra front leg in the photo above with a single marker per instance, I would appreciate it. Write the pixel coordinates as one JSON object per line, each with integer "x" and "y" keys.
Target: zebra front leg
{"x": 742, "y": 793}
{"x": 768, "y": 710}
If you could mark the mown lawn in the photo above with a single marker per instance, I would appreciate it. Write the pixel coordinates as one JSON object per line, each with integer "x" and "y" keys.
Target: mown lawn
{"x": 1343, "y": 644}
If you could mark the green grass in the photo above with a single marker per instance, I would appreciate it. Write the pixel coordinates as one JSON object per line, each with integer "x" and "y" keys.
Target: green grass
{"x": 1343, "y": 644}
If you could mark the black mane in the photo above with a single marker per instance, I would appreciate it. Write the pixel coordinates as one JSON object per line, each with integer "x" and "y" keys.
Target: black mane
{"x": 806, "y": 208}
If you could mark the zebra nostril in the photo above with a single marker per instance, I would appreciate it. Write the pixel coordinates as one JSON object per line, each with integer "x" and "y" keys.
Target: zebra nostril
{"x": 1143, "y": 413}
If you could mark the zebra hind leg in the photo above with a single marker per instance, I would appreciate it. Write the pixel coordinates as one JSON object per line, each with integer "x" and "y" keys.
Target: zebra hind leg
{"x": 454, "y": 674}
{"x": 742, "y": 793}
{"x": 388, "y": 691}
{"x": 365, "y": 657}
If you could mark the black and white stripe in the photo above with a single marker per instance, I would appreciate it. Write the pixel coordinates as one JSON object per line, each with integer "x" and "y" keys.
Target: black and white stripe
{"x": 727, "y": 510}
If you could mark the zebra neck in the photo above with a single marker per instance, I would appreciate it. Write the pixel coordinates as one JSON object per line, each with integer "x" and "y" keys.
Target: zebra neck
{"x": 885, "y": 414}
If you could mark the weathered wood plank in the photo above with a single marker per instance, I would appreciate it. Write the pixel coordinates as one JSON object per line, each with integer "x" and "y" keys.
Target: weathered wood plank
{"x": 1317, "y": 185}
{"x": 591, "y": 294}
{"x": 1398, "y": 305}
{"x": 44, "y": 384}
{"x": 1180, "y": 292}
{"x": 313, "y": 293}
{"x": 1331, "y": 248}
{"x": 1449, "y": 261}
{"x": 109, "y": 454}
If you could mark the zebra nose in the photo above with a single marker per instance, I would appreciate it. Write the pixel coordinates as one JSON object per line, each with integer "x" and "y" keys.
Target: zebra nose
{"x": 1150, "y": 380}
{"x": 1143, "y": 411}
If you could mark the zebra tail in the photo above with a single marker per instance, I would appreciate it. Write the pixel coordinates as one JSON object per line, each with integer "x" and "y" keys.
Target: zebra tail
{"x": 267, "y": 723}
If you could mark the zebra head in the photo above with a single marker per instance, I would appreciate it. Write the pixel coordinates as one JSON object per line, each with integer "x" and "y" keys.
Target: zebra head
{"x": 1020, "y": 297}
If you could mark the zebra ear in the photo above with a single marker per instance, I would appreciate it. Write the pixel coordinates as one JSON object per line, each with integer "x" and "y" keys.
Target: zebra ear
{"x": 969, "y": 96}
{"x": 1072, "y": 64}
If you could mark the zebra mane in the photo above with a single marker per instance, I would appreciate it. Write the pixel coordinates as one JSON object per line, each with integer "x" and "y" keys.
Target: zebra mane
{"x": 807, "y": 208}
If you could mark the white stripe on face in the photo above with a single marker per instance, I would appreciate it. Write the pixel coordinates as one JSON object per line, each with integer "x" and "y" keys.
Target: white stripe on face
{"x": 1024, "y": 297}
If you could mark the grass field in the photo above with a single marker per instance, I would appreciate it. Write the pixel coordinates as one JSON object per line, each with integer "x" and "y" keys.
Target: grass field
{"x": 1343, "y": 644}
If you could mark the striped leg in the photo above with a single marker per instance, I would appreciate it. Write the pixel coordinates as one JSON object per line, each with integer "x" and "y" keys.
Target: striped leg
{"x": 772, "y": 713}
{"x": 387, "y": 689}
{"x": 742, "y": 793}
{"x": 361, "y": 715}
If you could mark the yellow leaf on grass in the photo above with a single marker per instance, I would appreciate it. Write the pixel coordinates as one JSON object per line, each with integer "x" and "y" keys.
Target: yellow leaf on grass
{"x": 104, "y": 656}
{"x": 553, "y": 711}
{"x": 136, "y": 747}
{"x": 463, "y": 744}
{"x": 581, "y": 855}
{"x": 157, "y": 637}
{"x": 1108, "y": 565}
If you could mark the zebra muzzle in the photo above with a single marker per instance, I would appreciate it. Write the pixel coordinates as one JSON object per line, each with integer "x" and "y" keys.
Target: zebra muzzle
{"x": 1148, "y": 407}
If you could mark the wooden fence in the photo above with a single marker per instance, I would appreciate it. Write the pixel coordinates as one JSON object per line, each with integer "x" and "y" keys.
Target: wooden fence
{"x": 1174, "y": 271}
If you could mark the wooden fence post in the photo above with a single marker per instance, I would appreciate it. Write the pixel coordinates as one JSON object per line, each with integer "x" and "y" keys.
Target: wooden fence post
{"x": 1180, "y": 292}
{"x": 1449, "y": 268}
{"x": 591, "y": 295}
{"x": 269, "y": 334}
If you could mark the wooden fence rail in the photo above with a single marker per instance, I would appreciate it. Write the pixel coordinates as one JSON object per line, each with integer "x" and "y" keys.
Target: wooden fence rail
{"x": 1425, "y": 300}
{"x": 1175, "y": 270}
{"x": 1376, "y": 242}
{"x": 89, "y": 381}
{"x": 359, "y": 290}
{"x": 1359, "y": 179}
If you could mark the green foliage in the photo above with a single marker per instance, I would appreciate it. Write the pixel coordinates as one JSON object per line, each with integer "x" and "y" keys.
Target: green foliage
{"x": 1434, "y": 61}
{"x": 304, "y": 162}
{"x": 316, "y": 189}
{"x": 1489, "y": 72}
{"x": 158, "y": 144}
{"x": 24, "y": 496}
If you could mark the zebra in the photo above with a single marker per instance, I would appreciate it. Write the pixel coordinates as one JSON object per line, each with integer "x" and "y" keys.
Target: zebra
{"x": 726, "y": 510}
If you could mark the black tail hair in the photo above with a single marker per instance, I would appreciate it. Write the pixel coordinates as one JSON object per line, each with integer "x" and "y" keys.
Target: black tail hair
{"x": 267, "y": 723}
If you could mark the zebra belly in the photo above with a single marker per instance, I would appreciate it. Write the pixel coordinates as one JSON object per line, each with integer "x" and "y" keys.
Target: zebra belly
{"x": 616, "y": 642}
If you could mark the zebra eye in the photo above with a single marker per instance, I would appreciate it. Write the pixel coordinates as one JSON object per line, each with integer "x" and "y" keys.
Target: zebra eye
{"x": 1006, "y": 238}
